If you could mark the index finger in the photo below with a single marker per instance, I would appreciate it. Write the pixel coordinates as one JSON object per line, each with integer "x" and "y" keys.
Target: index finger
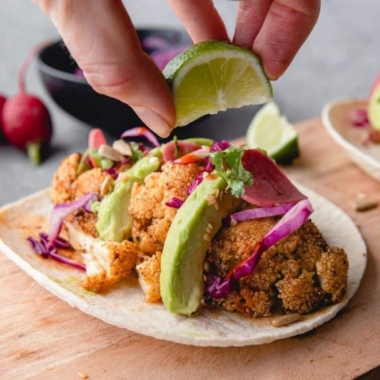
{"x": 201, "y": 19}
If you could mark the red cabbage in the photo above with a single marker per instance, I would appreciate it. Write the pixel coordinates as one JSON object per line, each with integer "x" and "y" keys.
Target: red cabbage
{"x": 61, "y": 211}
{"x": 291, "y": 221}
{"x": 256, "y": 213}
{"x": 175, "y": 203}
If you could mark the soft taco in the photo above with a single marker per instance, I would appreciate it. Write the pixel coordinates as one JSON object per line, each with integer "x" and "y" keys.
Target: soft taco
{"x": 218, "y": 238}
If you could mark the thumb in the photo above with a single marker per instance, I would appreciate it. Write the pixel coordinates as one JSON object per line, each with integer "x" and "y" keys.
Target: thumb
{"x": 101, "y": 38}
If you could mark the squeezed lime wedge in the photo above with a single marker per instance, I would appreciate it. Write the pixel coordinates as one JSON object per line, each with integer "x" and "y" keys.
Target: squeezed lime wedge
{"x": 213, "y": 76}
{"x": 272, "y": 132}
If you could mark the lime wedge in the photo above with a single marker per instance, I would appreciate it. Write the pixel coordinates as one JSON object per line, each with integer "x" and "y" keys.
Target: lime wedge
{"x": 271, "y": 131}
{"x": 212, "y": 76}
{"x": 374, "y": 109}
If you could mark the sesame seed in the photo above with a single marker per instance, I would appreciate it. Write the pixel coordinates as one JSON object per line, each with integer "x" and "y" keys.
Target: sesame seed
{"x": 207, "y": 237}
{"x": 211, "y": 202}
{"x": 209, "y": 197}
{"x": 217, "y": 193}
{"x": 210, "y": 226}
{"x": 217, "y": 205}
{"x": 83, "y": 375}
{"x": 233, "y": 221}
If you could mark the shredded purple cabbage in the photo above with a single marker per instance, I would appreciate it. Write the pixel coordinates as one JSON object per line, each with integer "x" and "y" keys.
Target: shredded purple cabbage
{"x": 61, "y": 211}
{"x": 196, "y": 183}
{"x": 46, "y": 249}
{"x": 175, "y": 203}
{"x": 292, "y": 220}
{"x": 256, "y": 213}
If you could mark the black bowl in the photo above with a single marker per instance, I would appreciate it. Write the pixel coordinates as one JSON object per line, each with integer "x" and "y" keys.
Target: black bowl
{"x": 75, "y": 96}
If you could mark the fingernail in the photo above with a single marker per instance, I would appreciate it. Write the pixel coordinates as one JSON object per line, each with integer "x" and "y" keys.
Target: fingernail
{"x": 153, "y": 120}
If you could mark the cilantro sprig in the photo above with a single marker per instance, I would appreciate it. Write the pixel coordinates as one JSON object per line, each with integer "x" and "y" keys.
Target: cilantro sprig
{"x": 229, "y": 167}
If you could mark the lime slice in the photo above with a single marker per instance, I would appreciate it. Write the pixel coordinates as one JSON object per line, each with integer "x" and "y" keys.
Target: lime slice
{"x": 212, "y": 76}
{"x": 271, "y": 131}
{"x": 374, "y": 109}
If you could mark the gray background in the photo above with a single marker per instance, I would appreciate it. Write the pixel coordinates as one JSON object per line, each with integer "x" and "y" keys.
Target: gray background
{"x": 340, "y": 60}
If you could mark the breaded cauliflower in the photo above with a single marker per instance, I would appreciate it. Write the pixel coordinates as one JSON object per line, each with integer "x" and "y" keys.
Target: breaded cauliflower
{"x": 301, "y": 272}
{"x": 149, "y": 277}
{"x": 106, "y": 262}
{"x": 64, "y": 178}
{"x": 151, "y": 217}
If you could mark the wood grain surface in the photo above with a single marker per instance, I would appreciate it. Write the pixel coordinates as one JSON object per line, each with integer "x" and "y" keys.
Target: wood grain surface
{"x": 44, "y": 338}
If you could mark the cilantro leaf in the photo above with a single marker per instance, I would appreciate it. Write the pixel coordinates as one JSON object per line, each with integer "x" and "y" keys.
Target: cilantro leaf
{"x": 229, "y": 167}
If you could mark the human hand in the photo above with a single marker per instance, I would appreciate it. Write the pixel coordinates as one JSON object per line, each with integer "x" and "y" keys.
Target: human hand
{"x": 101, "y": 38}
{"x": 274, "y": 29}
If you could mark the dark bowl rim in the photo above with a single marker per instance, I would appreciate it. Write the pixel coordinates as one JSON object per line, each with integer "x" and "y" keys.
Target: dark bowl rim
{"x": 44, "y": 67}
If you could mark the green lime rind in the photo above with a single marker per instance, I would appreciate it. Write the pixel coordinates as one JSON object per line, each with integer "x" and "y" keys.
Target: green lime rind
{"x": 185, "y": 58}
{"x": 287, "y": 153}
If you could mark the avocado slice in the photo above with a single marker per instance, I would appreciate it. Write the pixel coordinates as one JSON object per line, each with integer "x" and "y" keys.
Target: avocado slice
{"x": 186, "y": 244}
{"x": 114, "y": 221}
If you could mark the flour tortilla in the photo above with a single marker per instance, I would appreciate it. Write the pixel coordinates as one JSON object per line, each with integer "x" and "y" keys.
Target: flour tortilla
{"x": 124, "y": 305}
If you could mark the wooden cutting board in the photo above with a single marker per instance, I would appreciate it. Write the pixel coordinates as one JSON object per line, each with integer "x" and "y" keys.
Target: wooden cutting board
{"x": 42, "y": 337}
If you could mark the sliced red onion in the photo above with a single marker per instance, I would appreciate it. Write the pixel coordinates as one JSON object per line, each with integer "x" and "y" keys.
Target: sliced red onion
{"x": 256, "y": 213}
{"x": 175, "y": 203}
{"x": 184, "y": 147}
{"x": 359, "y": 118}
{"x": 142, "y": 132}
{"x": 290, "y": 222}
{"x": 61, "y": 211}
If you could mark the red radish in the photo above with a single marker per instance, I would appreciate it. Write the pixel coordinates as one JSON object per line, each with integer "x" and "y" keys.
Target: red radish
{"x": 3, "y": 99}
{"x": 95, "y": 140}
{"x": 26, "y": 121}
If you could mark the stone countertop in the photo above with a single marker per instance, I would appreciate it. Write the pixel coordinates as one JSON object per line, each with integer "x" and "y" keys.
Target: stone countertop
{"x": 340, "y": 60}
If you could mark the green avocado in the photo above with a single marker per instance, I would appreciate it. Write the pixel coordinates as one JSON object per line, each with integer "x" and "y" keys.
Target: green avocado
{"x": 200, "y": 141}
{"x": 186, "y": 244}
{"x": 114, "y": 221}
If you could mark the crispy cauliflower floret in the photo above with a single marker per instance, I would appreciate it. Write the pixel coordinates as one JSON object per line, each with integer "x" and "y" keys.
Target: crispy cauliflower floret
{"x": 332, "y": 270}
{"x": 106, "y": 262}
{"x": 300, "y": 294}
{"x": 90, "y": 182}
{"x": 301, "y": 271}
{"x": 151, "y": 217}
{"x": 149, "y": 277}
{"x": 64, "y": 177}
